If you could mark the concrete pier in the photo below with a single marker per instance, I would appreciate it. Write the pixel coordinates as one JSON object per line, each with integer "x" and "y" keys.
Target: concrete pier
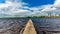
{"x": 29, "y": 29}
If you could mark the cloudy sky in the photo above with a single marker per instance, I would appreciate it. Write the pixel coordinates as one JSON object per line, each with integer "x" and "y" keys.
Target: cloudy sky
{"x": 20, "y": 8}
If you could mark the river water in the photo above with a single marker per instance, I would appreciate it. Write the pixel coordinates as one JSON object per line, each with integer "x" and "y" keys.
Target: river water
{"x": 15, "y": 25}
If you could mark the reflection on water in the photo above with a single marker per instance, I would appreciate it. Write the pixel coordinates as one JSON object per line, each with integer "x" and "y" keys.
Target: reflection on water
{"x": 14, "y": 25}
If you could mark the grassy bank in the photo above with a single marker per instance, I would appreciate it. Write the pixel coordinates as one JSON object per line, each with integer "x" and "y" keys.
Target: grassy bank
{"x": 44, "y": 17}
{"x": 34, "y": 17}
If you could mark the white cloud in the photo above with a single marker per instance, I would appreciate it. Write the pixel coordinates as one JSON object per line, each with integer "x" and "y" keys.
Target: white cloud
{"x": 57, "y": 3}
{"x": 5, "y": 5}
{"x": 49, "y": 8}
{"x": 44, "y": 9}
{"x": 52, "y": 8}
{"x": 14, "y": 9}
{"x": 20, "y": 9}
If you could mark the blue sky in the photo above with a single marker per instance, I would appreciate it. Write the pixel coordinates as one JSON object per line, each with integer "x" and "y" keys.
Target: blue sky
{"x": 33, "y": 3}
{"x": 2, "y": 1}
{"x": 38, "y": 2}
{"x": 29, "y": 7}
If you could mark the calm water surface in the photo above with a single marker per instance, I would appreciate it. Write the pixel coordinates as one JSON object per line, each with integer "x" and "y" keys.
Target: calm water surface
{"x": 53, "y": 22}
{"x": 7, "y": 23}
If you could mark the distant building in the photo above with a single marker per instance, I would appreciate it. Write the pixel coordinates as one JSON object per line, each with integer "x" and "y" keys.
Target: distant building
{"x": 56, "y": 15}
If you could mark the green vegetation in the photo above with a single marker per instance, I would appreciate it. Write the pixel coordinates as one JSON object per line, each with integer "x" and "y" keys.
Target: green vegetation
{"x": 43, "y": 17}
{"x": 34, "y": 17}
